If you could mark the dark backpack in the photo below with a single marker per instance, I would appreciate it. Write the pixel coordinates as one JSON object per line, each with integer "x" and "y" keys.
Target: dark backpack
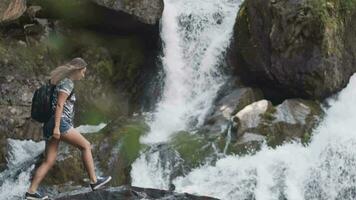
{"x": 42, "y": 102}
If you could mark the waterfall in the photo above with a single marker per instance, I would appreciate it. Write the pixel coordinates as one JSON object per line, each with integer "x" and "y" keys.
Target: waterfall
{"x": 195, "y": 36}
{"x": 325, "y": 169}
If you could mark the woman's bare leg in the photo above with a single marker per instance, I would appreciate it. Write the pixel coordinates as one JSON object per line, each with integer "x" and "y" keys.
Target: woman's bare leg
{"x": 50, "y": 159}
{"x": 74, "y": 138}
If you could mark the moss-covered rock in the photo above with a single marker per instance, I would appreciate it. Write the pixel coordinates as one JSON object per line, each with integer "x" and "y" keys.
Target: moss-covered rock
{"x": 117, "y": 146}
{"x": 294, "y": 119}
{"x": 299, "y": 49}
{"x": 194, "y": 149}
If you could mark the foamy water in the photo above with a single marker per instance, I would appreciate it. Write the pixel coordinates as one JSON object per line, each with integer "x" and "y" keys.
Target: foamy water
{"x": 195, "y": 36}
{"x": 326, "y": 169}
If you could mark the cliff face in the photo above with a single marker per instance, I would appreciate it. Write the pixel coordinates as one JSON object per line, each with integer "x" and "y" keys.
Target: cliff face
{"x": 121, "y": 51}
{"x": 303, "y": 48}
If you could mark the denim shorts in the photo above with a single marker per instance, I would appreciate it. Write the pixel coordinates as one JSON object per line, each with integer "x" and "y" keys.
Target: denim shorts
{"x": 64, "y": 126}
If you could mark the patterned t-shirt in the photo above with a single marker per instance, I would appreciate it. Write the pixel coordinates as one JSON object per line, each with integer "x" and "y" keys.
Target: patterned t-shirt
{"x": 66, "y": 85}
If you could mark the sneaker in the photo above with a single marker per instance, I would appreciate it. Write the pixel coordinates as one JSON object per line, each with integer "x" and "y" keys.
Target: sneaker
{"x": 36, "y": 195}
{"x": 100, "y": 181}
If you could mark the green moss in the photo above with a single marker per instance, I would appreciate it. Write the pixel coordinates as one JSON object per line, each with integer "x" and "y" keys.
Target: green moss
{"x": 26, "y": 59}
{"x": 117, "y": 147}
{"x": 193, "y": 148}
{"x": 92, "y": 116}
{"x": 347, "y": 7}
{"x": 316, "y": 116}
{"x": 268, "y": 116}
{"x": 130, "y": 144}
{"x": 114, "y": 58}
{"x": 306, "y": 138}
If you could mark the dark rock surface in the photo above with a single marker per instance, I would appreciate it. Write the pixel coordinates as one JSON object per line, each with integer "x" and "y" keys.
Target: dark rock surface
{"x": 119, "y": 17}
{"x": 294, "y": 119}
{"x": 132, "y": 193}
{"x": 289, "y": 48}
{"x": 147, "y": 11}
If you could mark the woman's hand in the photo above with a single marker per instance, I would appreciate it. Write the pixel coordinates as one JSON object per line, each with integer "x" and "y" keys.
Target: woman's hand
{"x": 56, "y": 133}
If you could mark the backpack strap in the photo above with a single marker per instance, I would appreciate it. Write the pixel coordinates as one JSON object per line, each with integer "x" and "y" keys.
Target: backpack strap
{"x": 71, "y": 93}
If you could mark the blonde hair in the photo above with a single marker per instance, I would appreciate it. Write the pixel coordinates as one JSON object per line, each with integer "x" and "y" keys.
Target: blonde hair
{"x": 63, "y": 71}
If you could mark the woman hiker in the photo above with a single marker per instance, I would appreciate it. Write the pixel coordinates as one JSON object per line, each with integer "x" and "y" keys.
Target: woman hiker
{"x": 60, "y": 127}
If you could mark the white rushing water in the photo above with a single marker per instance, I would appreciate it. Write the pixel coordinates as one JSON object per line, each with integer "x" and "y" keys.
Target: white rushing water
{"x": 195, "y": 34}
{"x": 15, "y": 179}
{"x": 91, "y": 128}
{"x": 326, "y": 169}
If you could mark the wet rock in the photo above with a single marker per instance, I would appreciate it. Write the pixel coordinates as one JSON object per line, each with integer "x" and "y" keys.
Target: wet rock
{"x": 229, "y": 105}
{"x": 295, "y": 49}
{"x": 193, "y": 148}
{"x": 132, "y": 193}
{"x": 294, "y": 119}
{"x": 250, "y": 117}
{"x": 165, "y": 162}
{"x": 247, "y": 143}
{"x": 117, "y": 146}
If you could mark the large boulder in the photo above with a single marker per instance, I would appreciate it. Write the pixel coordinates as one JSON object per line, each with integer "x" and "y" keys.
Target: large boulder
{"x": 294, "y": 119}
{"x": 295, "y": 48}
{"x": 147, "y": 11}
{"x": 11, "y": 10}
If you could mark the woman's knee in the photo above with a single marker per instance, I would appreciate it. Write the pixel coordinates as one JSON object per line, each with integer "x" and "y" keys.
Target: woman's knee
{"x": 50, "y": 162}
{"x": 86, "y": 145}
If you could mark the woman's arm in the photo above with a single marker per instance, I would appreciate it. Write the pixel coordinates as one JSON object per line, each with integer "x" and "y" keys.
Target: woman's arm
{"x": 62, "y": 97}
